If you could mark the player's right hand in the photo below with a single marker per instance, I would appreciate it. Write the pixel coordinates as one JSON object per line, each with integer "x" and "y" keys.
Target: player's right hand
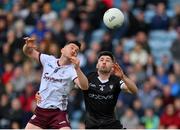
{"x": 29, "y": 41}
{"x": 38, "y": 98}
{"x": 75, "y": 61}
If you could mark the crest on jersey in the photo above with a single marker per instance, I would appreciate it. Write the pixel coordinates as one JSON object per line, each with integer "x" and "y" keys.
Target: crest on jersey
{"x": 111, "y": 86}
{"x": 56, "y": 70}
{"x": 102, "y": 87}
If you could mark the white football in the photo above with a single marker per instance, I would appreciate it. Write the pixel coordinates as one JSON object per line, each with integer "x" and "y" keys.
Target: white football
{"x": 113, "y": 18}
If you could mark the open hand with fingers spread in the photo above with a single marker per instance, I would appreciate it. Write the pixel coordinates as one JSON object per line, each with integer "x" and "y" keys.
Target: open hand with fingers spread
{"x": 118, "y": 71}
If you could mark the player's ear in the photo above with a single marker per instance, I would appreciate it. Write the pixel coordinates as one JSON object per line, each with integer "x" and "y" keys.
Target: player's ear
{"x": 97, "y": 66}
{"x": 62, "y": 50}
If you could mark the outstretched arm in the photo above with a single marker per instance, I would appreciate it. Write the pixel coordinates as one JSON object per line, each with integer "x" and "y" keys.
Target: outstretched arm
{"x": 129, "y": 85}
{"x": 29, "y": 49}
{"x": 81, "y": 79}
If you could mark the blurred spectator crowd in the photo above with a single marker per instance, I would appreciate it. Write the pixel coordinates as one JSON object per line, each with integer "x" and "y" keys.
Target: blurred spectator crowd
{"x": 147, "y": 47}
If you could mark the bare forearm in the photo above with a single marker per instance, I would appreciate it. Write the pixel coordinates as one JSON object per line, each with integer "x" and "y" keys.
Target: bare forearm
{"x": 83, "y": 81}
{"x": 31, "y": 52}
{"x": 130, "y": 84}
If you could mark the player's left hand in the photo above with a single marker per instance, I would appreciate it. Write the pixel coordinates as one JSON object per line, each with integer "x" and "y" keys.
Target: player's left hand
{"x": 38, "y": 97}
{"x": 118, "y": 71}
{"x": 75, "y": 61}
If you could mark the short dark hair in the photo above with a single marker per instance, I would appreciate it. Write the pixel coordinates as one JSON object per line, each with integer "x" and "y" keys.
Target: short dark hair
{"x": 106, "y": 53}
{"x": 74, "y": 42}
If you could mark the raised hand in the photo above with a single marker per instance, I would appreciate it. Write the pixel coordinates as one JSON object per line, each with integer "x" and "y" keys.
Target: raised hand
{"x": 75, "y": 61}
{"x": 118, "y": 71}
{"x": 30, "y": 42}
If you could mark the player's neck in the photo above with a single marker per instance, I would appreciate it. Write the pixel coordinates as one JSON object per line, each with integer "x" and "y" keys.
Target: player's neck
{"x": 63, "y": 61}
{"x": 104, "y": 76}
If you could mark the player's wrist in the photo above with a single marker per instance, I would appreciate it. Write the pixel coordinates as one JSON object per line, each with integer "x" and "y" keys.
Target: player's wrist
{"x": 77, "y": 67}
{"x": 27, "y": 49}
{"x": 123, "y": 76}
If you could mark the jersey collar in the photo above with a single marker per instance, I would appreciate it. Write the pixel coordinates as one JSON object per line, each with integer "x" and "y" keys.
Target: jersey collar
{"x": 58, "y": 63}
{"x": 103, "y": 81}
{"x": 62, "y": 65}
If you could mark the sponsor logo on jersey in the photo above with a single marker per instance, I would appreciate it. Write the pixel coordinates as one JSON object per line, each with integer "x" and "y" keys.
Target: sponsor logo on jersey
{"x": 100, "y": 97}
{"x": 102, "y": 87}
{"x": 56, "y": 70}
{"x": 52, "y": 79}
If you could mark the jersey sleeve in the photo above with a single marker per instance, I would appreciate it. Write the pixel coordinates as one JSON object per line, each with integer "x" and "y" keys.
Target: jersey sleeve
{"x": 44, "y": 58}
{"x": 121, "y": 84}
{"x": 73, "y": 74}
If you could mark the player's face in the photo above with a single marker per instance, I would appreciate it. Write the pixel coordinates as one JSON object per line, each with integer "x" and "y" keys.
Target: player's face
{"x": 70, "y": 50}
{"x": 105, "y": 64}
